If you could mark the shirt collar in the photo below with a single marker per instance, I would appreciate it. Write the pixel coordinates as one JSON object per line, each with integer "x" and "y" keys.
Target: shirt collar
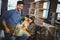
{"x": 19, "y": 12}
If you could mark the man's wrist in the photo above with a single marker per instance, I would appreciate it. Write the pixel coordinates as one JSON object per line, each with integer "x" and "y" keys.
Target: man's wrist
{"x": 6, "y": 27}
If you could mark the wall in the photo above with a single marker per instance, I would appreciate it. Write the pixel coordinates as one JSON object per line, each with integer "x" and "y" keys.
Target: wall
{"x": 26, "y": 11}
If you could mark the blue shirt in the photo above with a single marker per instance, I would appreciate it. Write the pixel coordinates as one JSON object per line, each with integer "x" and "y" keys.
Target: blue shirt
{"x": 12, "y": 17}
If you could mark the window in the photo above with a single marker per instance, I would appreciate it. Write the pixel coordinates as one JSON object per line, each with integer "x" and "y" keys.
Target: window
{"x": 12, "y": 4}
{"x": 45, "y": 12}
{"x": 58, "y": 8}
{"x": 58, "y": 16}
{"x": 58, "y": 11}
{"x": 58, "y": 0}
{"x": 0, "y": 7}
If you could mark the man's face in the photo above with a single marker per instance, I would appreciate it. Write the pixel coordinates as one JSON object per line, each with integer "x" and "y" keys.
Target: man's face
{"x": 20, "y": 7}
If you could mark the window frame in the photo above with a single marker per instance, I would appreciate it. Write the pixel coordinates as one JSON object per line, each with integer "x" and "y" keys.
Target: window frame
{"x": 0, "y": 6}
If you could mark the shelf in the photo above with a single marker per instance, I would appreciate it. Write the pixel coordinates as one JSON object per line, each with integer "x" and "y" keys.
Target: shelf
{"x": 58, "y": 12}
{"x": 36, "y": 9}
{"x": 40, "y": 8}
{"x": 57, "y": 22}
{"x": 42, "y": 18}
{"x": 40, "y": 1}
{"x": 31, "y": 14}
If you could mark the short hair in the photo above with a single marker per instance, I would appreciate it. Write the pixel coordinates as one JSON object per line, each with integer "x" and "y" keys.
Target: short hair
{"x": 27, "y": 16}
{"x": 20, "y": 2}
{"x": 32, "y": 18}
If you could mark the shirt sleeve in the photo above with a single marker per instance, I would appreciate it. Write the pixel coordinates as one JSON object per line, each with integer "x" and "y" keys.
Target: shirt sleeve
{"x": 5, "y": 16}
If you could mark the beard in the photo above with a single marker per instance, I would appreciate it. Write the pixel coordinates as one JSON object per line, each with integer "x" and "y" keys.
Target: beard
{"x": 19, "y": 9}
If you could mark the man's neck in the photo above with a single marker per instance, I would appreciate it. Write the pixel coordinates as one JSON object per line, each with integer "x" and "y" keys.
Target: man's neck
{"x": 19, "y": 11}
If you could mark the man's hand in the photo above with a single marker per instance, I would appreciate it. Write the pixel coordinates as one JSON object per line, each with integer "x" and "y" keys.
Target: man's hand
{"x": 18, "y": 26}
{"x": 7, "y": 30}
{"x": 5, "y": 26}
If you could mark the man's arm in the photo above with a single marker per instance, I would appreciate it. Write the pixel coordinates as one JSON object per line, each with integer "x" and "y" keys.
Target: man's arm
{"x": 5, "y": 26}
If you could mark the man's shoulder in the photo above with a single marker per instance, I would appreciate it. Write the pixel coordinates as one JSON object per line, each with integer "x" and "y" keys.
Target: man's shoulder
{"x": 11, "y": 10}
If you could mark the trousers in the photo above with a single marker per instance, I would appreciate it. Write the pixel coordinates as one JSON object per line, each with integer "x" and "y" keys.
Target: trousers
{"x": 8, "y": 36}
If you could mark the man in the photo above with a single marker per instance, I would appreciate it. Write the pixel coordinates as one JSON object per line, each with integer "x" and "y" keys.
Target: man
{"x": 10, "y": 20}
